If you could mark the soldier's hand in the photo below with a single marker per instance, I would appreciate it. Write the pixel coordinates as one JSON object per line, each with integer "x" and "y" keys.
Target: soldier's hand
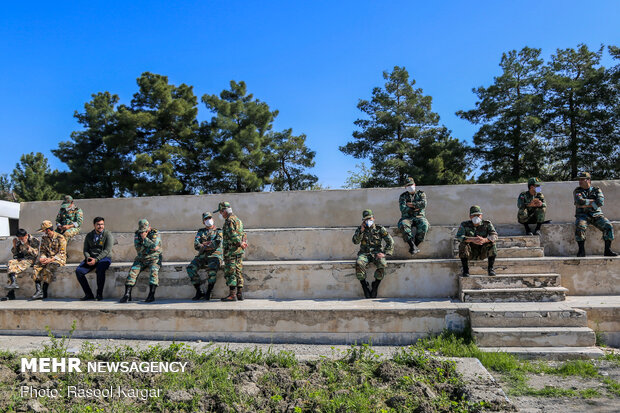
{"x": 410, "y": 204}
{"x": 15, "y": 242}
{"x": 380, "y": 255}
{"x": 143, "y": 235}
{"x": 244, "y": 245}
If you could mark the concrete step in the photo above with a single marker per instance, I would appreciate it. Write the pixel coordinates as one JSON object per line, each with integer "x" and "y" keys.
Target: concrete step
{"x": 549, "y": 353}
{"x": 393, "y": 322}
{"x": 518, "y": 241}
{"x": 534, "y": 336}
{"x": 554, "y": 315}
{"x": 511, "y": 295}
{"x": 520, "y": 252}
{"x": 509, "y": 281}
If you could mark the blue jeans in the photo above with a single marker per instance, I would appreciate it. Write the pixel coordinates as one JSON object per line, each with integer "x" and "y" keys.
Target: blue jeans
{"x": 100, "y": 268}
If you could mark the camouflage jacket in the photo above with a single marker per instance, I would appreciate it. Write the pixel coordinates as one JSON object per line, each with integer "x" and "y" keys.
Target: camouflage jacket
{"x": 233, "y": 236}
{"x": 22, "y": 251}
{"x": 54, "y": 247}
{"x": 525, "y": 198}
{"x": 70, "y": 216}
{"x": 370, "y": 240}
{"x": 468, "y": 229}
{"x": 213, "y": 238}
{"x": 149, "y": 248}
{"x": 418, "y": 198}
{"x": 591, "y": 196}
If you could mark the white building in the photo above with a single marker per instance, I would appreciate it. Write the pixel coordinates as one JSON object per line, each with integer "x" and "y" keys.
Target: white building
{"x": 9, "y": 218}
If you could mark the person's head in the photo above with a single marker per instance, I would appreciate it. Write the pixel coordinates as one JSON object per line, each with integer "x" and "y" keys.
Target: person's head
{"x": 46, "y": 227}
{"x": 224, "y": 209}
{"x": 99, "y": 224}
{"x": 67, "y": 202}
{"x": 22, "y": 235}
{"x": 368, "y": 218}
{"x": 475, "y": 214}
{"x": 410, "y": 185}
{"x": 207, "y": 219}
{"x": 533, "y": 185}
{"x": 143, "y": 226}
{"x": 585, "y": 179}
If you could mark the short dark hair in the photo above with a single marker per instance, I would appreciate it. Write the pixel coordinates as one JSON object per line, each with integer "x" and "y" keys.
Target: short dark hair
{"x": 97, "y": 219}
{"x": 21, "y": 232}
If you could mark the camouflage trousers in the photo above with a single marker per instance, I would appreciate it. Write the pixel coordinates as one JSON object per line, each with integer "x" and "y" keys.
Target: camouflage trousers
{"x": 46, "y": 273}
{"x": 420, "y": 228}
{"x": 362, "y": 263}
{"x": 17, "y": 267}
{"x": 70, "y": 233}
{"x": 141, "y": 265}
{"x": 233, "y": 270}
{"x": 211, "y": 263}
{"x": 531, "y": 215}
{"x": 600, "y": 222}
{"x": 472, "y": 251}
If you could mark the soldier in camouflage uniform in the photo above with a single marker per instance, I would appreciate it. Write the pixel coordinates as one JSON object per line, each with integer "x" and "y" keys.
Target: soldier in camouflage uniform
{"x": 412, "y": 205}
{"x": 208, "y": 243}
{"x": 25, "y": 250}
{"x": 588, "y": 202}
{"x": 69, "y": 218}
{"x": 371, "y": 237}
{"x": 532, "y": 207}
{"x": 148, "y": 247}
{"x": 53, "y": 254}
{"x": 234, "y": 242}
{"x": 477, "y": 239}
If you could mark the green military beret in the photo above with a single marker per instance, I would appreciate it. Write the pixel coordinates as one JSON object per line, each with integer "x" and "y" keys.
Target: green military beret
{"x": 475, "y": 210}
{"x": 410, "y": 181}
{"x": 66, "y": 201}
{"x": 584, "y": 175}
{"x": 367, "y": 214}
{"x": 221, "y": 206}
{"x": 533, "y": 181}
{"x": 143, "y": 225}
{"x": 206, "y": 215}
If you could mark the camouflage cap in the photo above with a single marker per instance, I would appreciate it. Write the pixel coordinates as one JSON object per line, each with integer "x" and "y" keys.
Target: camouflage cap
{"x": 221, "y": 206}
{"x": 584, "y": 175}
{"x": 66, "y": 201}
{"x": 206, "y": 215}
{"x": 533, "y": 181}
{"x": 367, "y": 214}
{"x": 475, "y": 210}
{"x": 45, "y": 225}
{"x": 410, "y": 181}
{"x": 143, "y": 225}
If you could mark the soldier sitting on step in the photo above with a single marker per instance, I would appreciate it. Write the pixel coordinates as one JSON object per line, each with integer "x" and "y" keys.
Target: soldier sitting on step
{"x": 477, "y": 239}
{"x": 69, "y": 218}
{"x": 25, "y": 250}
{"x": 413, "y": 223}
{"x": 53, "y": 254}
{"x": 370, "y": 237}
{"x": 532, "y": 207}
{"x": 208, "y": 243}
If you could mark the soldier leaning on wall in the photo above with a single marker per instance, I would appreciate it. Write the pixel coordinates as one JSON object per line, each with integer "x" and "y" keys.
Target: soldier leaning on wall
{"x": 25, "y": 250}
{"x": 477, "y": 239}
{"x": 588, "y": 202}
{"x": 413, "y": 223}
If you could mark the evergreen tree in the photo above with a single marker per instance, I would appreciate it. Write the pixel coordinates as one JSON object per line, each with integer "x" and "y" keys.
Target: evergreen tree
{"x": 6, "y": 189}
{"x": 509, "y": 112}
{"x": 293, "y": 158}
{"x": 31, "y": 179}
{"x": 399, "y": 118}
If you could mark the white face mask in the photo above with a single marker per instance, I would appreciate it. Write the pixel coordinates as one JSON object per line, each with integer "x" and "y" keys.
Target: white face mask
{"x": 208, "y": 222}
{"x": 476, "y": 220}
{"x": 369, "y": 222}
{"x": 411, "y": 189}
{"x": 228, "y": 211}
{"x": 538, "y": 190}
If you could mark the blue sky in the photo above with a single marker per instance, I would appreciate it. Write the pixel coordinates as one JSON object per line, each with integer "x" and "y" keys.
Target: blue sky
{"x": 310, "y": 60}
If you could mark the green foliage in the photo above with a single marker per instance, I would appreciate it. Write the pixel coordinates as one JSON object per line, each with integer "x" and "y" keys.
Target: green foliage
{"x": 401, "y": 137}
{"x": 292, "y": 158}
{"x": 359, "y": 177}
{"x": 32, "y": 179}
{"x": 6, "y": 189}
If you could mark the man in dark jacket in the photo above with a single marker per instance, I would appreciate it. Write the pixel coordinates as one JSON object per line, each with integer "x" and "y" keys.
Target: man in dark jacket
{"x": 97, "y": 256}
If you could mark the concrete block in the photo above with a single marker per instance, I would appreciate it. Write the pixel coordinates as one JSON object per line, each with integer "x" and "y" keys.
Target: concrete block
{"x": 510, "y": 295}
{"x": 549, "y": 353}
{"x": 509, "y": 281}
{"x": 528, "y": 316}
{"x": 534, "y": 336}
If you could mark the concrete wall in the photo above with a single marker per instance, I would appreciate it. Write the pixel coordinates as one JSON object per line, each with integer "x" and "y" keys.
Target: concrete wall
{"x": 448, "y": 204}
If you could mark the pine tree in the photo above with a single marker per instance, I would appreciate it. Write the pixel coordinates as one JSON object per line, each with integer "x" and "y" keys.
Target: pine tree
{"x": 32, "y": 179}
{"x": 293, "y": 158}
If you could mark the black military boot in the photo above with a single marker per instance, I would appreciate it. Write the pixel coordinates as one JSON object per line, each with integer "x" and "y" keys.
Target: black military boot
{"x": 582, "y": 249}
{"x": 207, "y": 295}
{"x": 537, "y": 229}
{"x": 9, "y": 296}
{"x": 528, "y": 231}
{"x": 127, "y": 296}
{"x": 151, "y": 297}
{"x": 38, "y": 294}
{"x": 13, "y": 282}
{"x": 375, "y": 288}
{"x": 413, "y": 249}
{"x": 232, "y": 295}
{"x": 490, "y": 269}
{"x": 608, "y": 252}
{"x": 365, "y": 288}
{"x": 198, "y": 295}
{"x": 239, "y": 294}
{"x": 45, "y": 287}
{"x": 465, "y": 267}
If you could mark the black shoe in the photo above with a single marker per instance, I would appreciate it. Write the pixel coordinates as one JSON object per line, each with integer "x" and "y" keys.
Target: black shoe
{"x": 232, "y": 295}
{"x": 239, "y": 294}
{"x": 127, "y": 296}
{"x": 87, "y": 297}
{"x": 465, "y": 265}
{"x": 528, "y": 231}
{"x": 45, "y": 287}
{"x": 413, "y": 249}
{"x": 12, "y": 282}
{"x": 99, "y": 296}
{"x": 582, "y": 249}
{"x": 9, "y": 296}
{"x": 38, "y": 294}
{"x": 207, "y": 295}
{"x": 537, "y": 230}
{"x": 198, "y": 295}
{"x": 608, "y": 252}
{"x": 375, "y": 288}
{"x": 490, "y": 269}
{"x": 365, "y": 288}
{"x": 151, "y": 297}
